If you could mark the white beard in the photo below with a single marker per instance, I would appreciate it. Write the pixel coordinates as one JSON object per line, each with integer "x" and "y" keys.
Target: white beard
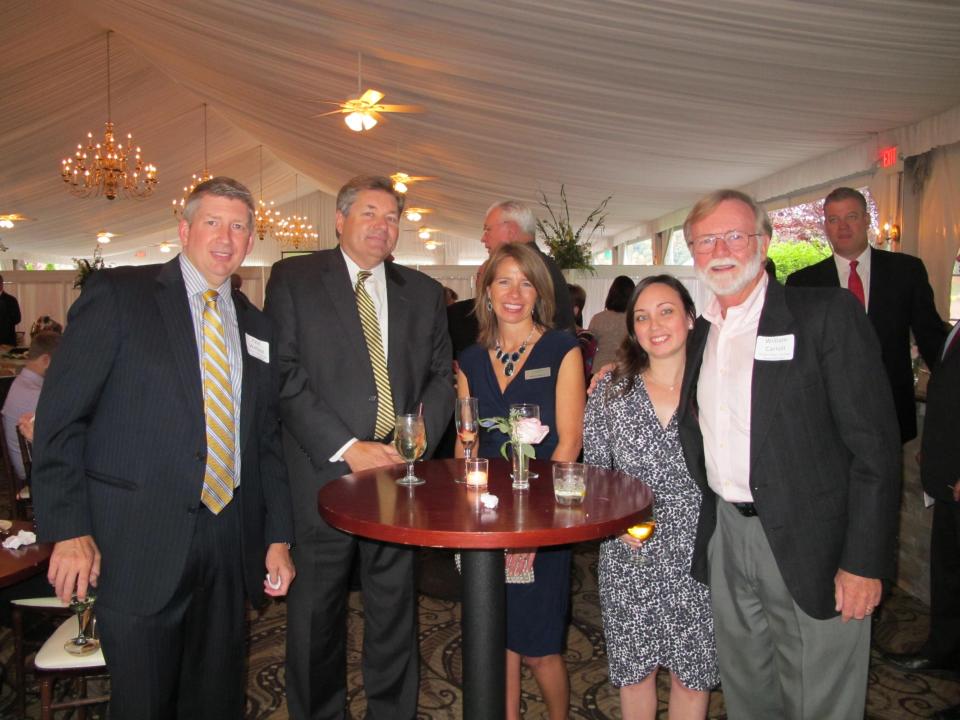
{"x": 730, "y": 283}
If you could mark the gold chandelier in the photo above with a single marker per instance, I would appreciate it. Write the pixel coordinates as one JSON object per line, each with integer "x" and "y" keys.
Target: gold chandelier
{"x": 266, "y": 218}
{"x": 195, "y": 179}
{"x": 108, "y": 168}
{"x": 295, "y": 229}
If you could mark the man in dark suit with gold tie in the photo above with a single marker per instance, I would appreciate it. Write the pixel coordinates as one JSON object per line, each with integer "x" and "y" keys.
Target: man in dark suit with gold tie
{"x": 361, "y": 340}
{"x": 158, "y": 468}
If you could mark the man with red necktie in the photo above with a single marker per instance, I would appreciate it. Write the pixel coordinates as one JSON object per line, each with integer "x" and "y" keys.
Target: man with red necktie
{"x": 893, "y": 289}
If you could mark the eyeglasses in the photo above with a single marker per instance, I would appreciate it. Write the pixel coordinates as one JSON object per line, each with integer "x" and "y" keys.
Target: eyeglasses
{"x": 849, "y": 218}
{"x": 734, "y": 239}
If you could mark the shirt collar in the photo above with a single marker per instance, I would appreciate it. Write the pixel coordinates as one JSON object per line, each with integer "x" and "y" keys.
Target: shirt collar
{"x": 377, "y": 272}
{"x": 862, "y": 259}
{"x": 196, "y": 283}
{"x": 745, "y": 311}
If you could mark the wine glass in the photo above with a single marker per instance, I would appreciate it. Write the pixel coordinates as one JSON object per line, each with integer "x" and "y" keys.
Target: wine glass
{"x": 465, "y": 417}
{"x": 521, "y": 411}
{"x": 642, "y": 532}
{"x": 83, "y": 609}
{"x": 410, "y": 439}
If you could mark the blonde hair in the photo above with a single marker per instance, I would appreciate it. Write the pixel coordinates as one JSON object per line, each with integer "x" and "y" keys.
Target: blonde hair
{"x": 709, "y": 203}
{"x": 534, "y": 269}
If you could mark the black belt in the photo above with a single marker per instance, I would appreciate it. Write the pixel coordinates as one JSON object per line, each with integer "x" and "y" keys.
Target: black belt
{"x": 746, "y": 509}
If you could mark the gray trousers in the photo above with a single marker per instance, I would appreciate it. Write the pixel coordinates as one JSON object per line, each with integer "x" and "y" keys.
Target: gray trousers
{"x": 776, "y": 661}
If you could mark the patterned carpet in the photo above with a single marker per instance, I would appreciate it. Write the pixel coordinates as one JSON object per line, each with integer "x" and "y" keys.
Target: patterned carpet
{"x": 892, "y": 694}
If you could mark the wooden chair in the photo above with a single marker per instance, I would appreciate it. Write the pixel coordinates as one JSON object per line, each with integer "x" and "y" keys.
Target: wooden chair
{"x": 21, "y": 507}
{"x": 43, "y": 608}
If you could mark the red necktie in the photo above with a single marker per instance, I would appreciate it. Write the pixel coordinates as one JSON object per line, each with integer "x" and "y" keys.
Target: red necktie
{"x": 951, "y": 346}
{"x": 855, "y": 284}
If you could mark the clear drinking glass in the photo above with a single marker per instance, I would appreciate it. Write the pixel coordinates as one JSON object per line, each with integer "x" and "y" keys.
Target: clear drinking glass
{"x": 521, "y": 467}
{"x": 410, "y": 439}
{"x": 465, "y": 416}
{"x": 569, "y": 482}
{"x": 642, "y": 532}
{"x": 82, "y": 644}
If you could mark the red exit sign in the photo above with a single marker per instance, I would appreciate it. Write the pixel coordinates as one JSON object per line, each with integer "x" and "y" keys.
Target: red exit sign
{"x": 888, "y": 156}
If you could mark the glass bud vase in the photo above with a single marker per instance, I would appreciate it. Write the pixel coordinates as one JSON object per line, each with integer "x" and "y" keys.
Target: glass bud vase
{"x": 521, "y": 467}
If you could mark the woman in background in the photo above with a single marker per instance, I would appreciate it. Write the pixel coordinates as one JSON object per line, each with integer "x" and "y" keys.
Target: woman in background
{"x": 654, "y": 613}
{"x": 519, "y": 359}
{"x": 607, "y": 325}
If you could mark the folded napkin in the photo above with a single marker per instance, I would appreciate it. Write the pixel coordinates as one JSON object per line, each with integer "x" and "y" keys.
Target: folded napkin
{"x": 24, "y": 537}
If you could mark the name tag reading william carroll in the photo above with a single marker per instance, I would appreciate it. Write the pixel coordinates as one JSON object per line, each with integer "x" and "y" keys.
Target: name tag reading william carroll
{"x": 774, "y": 347}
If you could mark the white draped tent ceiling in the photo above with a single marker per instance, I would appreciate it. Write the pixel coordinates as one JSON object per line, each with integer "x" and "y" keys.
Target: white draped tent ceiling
{"x": 652, "y": 102}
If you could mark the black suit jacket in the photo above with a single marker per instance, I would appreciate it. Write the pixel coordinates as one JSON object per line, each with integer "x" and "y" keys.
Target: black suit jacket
{"x": 900, "y": 300}
{"x": 824, "y": 450}
{"x": 329, "y": 394}
{"x": 9, "y": 318}
{"x": 563, "y": 312}
{"x": 121, "y": 440}
{"x": 940, "y": 466}
{"x": 462, "y": 324}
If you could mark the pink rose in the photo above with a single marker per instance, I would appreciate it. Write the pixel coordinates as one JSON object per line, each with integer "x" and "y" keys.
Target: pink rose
{"x": 529, "y": 431}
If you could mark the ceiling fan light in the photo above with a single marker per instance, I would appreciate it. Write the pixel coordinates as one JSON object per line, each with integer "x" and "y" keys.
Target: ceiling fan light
{"x": 354, "y": 121}
{"x": 414, "y": 216}
{"x": 430, "y": 245}
{"x": 369, "y": 121}
{"x": 424, "y": 234}
{"x": 400, "y": 187}
{"x": 164, "y": 248}
{"x": 6, "y": 223}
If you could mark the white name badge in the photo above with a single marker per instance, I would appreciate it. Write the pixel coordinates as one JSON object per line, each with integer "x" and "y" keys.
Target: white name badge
{"x": 260, "y": 349}
{"x": 537, "y": 373}
{"x": 775, "y": 347}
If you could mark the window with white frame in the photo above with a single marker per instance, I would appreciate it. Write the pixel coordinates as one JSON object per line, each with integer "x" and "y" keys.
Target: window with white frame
{"x": 604, "y": 257}
{"x": 638, "y": 252}
{"x": 677, "y": 252}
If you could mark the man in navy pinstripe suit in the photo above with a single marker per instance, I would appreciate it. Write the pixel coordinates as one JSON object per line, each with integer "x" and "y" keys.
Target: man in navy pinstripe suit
{"x": 125, "y": 456}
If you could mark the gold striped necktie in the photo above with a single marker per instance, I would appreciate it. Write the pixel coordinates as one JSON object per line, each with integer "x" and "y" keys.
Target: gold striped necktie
{"x": 371, "y": 332}
{"x": 218, "y": 480}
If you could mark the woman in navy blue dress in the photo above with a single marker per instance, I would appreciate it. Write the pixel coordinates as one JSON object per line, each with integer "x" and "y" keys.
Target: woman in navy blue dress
{"x": 520, "y": 359}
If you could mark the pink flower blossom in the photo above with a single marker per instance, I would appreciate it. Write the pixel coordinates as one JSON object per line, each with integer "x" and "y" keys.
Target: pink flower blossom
{"x": 529, "y": 431}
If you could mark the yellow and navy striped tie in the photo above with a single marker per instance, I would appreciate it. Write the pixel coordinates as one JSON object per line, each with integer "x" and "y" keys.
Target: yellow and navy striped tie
{"x": 218, "y": 480}
{"x": 371, "y": 331}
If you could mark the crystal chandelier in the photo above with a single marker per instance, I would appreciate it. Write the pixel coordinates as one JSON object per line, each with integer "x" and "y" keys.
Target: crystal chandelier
{"x": 266, "y": 218}
{"x": 295, "y": 229}
{"x": 195, "y": 179}
{"x": 108, "y": 168}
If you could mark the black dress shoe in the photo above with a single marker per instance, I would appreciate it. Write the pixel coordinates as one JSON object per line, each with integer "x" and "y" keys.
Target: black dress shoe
{"x": 951, "y": 713}
{"x": 917, "y": 662}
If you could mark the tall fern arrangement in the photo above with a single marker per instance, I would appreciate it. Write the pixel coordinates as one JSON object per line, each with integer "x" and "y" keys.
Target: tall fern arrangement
{"x": 570, "y": 248}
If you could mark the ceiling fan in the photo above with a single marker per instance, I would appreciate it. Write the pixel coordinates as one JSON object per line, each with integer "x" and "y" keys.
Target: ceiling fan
{"x": 166, "y": 246}
{"x": 426, "y": 235}
{"x": 364, "y": 111}
{"x": 401, "y": 181}
{"x": 7, "y": 221}
{"x": 104, "y": 237}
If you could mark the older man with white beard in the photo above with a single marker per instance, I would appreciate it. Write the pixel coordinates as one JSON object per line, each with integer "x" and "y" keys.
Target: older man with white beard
{"x": 793, "y": 438}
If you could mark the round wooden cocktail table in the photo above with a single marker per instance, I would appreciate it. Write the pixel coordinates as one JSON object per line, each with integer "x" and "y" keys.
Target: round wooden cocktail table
{"x": 446, "y": 514}
{"x": 24, "y": 562}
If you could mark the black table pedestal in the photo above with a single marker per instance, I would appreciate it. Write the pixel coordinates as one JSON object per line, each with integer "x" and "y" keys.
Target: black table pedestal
{"x": 484, "y": 634}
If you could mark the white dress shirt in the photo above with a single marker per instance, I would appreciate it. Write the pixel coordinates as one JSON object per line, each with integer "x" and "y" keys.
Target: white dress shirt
{"x": 724, "y": 393}
{"x": 863, "y": 270}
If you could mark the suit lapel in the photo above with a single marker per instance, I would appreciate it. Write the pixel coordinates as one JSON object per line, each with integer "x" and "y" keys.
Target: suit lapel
{"x": 769, "y": 375}
{"x": 696, "y": 342}
{"x": 171, "y": 297}
{"x": 338, "y": 285}
{"x": 248, "y": 388}
{"x": 398, "y": 323}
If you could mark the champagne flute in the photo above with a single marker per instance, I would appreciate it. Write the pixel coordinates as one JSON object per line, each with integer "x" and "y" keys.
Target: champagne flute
{"x": 642, "y": 532}
{"x": 465, "y": 417}
{"x": 83, "y": 609}
{"x": 410, "y": 439}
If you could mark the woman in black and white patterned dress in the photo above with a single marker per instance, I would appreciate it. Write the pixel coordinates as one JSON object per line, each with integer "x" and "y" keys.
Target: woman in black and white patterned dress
{"x": 654, "y": 613}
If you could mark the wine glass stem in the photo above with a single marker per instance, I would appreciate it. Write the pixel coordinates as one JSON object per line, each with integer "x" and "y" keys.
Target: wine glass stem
{"x": 409, "y": 469}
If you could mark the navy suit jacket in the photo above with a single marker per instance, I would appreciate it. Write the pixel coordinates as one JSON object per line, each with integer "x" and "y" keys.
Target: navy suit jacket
{"x": 824, "y": 449}
{"x": 329, "y": 394}
{"x": 900, "y": 300}
{"x": 121, "y": 438}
